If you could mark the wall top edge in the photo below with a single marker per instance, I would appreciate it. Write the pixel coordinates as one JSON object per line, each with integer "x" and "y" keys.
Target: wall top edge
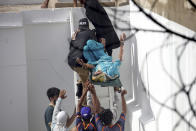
{"x": 34, "y": 17}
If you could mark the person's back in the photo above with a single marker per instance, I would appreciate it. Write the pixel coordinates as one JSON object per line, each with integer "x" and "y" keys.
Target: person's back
{"x": 48, "y": 116}
{"x": 89, "y": 126}
{"x": 93, "y": 51}
{"x": 61, "y": 120}
{"x": 76, "y": 45}
{"x": 118, "y": 126}
{"x": 83, "y": 120}
{"x": 104, "y": 118}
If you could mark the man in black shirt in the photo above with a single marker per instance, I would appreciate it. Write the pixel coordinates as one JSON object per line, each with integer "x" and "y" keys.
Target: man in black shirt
{"x": 79, "y": 39}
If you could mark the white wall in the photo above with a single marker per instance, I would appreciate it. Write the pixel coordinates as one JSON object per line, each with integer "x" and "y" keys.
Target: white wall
{"x": 158, "y": 82}
{"x": 13, "y": 75}
{"x": 34, "y": 47}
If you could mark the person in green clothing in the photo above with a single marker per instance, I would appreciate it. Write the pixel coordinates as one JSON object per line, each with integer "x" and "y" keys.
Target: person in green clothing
{"x": 52, "y": 94}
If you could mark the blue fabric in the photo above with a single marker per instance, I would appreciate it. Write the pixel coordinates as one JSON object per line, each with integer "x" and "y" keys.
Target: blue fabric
{"x": 94, "y": 53}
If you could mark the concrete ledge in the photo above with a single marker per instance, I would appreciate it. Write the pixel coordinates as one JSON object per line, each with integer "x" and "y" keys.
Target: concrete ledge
{"x": 70, "y": 4}
{"x": 18, "y": 8}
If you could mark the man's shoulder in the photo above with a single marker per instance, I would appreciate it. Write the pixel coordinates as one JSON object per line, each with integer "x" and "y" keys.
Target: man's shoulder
{"x": 49, "y": 108}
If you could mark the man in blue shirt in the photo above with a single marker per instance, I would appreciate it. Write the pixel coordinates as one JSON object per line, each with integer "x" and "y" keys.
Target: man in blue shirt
{"x": 52, "y": 94}
{"x": 104, "y": 118}
{"x": 84, "y": 120}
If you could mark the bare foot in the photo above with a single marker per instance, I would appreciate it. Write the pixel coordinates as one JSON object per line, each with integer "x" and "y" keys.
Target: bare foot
{"x": 122, "y": 37}
{"x": 75, "y": 3}
{"x": 98, "y": 72}
{"x": 45, "y": 4}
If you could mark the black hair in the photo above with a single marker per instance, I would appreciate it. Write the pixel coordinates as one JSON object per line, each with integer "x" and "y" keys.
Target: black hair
{"x": 106, "y": 117}
{"x": 52, "y": 92}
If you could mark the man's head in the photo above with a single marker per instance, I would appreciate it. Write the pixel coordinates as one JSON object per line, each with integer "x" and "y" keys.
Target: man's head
{"x": 83, "y": 24}
{"x": 86, "y": 113}
{"x": 106, "y": 117}
{"x": 53, "y": 94}
{"x": 103, "y": 41}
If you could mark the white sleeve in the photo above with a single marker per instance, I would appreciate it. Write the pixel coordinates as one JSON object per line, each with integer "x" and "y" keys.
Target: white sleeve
{"x": 89, "y": 99}
{"x": 56, "y": 111}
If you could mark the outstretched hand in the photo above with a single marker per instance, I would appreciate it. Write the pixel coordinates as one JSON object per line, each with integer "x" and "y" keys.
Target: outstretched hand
{"x": 74, "y": 35}
{"x": 62, "y": 94}
{"x": 84, "y": 65}
{"x": 80, "y": 61}
{"x": 123, "y": 92}
{"x": 90, "y": 87}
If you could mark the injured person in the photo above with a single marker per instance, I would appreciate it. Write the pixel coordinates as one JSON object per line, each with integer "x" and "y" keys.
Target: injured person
{"x": 101, "y": 64}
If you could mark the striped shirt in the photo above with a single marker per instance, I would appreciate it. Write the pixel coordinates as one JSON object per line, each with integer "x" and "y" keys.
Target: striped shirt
{"x": 81, "y": 126}
{"x": 118, "y": 126}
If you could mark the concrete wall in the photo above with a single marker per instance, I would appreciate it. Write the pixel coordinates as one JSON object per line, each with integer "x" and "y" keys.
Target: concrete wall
{"x": 33, "y": 48}
{"x": 158, "y": 63}
{"x": 179, "y": 11}
{"x": 13, "y": 74}
{"x": 46, "y": 61}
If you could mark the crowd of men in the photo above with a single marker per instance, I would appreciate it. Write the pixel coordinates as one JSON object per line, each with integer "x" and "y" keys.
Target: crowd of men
{"x": 90, "y": 51}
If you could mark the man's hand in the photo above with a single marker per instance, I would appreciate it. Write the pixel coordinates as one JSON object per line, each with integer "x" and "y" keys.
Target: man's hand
{"x": 85, "y": 89}
{"x": 89, "y": 87}
{"x": 62, "y": 94}
{"x": 84, "y": 65}
{"x": 74, "y": 35}
{"x": 123, "y": 92}
{"x": 124, "y": 106}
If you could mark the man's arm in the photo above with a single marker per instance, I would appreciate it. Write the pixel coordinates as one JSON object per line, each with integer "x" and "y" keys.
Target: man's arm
{"x": 58, "y": 105}
{"x": 71, "y": 119}
{"x": 82, "y": 99}
{"x": 95, "y": 100}
{"x": 122, "y": 39}
{"x": 49, "y": 114}
{"x": 124, "y": 106}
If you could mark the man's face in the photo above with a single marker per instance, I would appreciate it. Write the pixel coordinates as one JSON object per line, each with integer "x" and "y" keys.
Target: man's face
{"x": 54, "y": 99}
{"x": 103, "y": 41}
